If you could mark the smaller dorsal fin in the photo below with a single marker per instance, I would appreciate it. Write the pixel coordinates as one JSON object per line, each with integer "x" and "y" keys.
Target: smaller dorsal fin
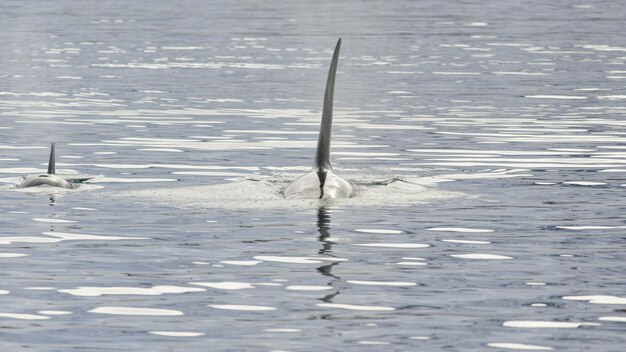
{"x": 51, "y": 166}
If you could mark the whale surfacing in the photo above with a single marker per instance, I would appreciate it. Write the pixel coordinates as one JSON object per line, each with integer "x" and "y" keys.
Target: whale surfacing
{"x": 49, "y": 179}
{"x": 321, "y": 182}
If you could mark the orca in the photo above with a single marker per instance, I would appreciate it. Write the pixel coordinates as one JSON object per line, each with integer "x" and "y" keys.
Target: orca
{"x": 49, "y": 179}
{"x": 322, "y": 182}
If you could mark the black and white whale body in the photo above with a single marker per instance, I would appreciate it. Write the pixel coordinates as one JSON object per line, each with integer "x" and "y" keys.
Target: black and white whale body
{"x": 49, "y": 179}
{"x": 321, "y": 182}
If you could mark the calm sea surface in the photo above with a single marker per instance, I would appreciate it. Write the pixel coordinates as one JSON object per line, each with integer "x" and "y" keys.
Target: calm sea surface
{"x": 488, "y": 139}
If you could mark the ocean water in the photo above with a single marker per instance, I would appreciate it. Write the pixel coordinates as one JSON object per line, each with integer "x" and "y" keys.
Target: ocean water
{"x": 487, "y": 140}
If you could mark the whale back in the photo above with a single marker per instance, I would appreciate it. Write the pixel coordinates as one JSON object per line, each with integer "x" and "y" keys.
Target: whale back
{"x": 309, "y": 186}
{"x": 44, "y": 180}
{"x": 49, "y": 179}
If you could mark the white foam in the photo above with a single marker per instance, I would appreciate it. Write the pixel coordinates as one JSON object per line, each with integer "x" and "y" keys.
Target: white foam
{"x": 4, "y": 292}
{"x": 354, "y": 307}
{"x": 266, "y": 193}
{"x": 225, "y": 285}
{"x": 89, "y": 291}
{"x": 598, "y": 299}
{"x": 519, "y": 346}
{"x": 382, "y": 283}
{"x": 241, "y": 307}
{"x": 480, "y": 256}
{"x": 136, "y": 311}
{"x": 535, "y": 324}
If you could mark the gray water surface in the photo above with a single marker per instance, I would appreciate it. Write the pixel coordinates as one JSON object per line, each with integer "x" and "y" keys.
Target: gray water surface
{"x": 488, "y": 139}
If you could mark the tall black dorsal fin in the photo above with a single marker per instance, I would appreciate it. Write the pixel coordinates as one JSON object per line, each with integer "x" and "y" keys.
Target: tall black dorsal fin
{"x": 51, "y": 167}
{"x": 322, "y": 156}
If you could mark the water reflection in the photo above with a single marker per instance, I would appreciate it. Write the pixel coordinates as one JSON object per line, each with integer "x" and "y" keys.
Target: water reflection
{"x": 323, "y": 227}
